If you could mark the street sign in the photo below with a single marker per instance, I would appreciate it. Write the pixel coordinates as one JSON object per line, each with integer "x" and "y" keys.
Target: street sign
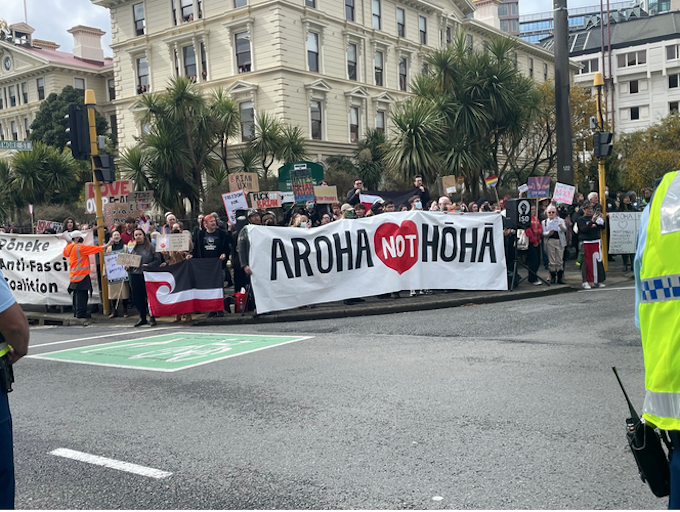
{"x": 19, "y": 145}
{"x": 169, "y": 352}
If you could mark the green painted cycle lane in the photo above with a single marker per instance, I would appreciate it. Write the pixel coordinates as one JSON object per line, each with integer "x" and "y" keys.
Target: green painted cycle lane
{"x": 169, "y": 352}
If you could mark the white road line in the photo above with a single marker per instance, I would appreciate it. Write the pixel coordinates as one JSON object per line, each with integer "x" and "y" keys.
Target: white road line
{"x": 97, "y": 337}
{"x": 110, "y": 463}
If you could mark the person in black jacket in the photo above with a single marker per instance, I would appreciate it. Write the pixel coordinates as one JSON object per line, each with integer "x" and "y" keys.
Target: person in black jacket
{"x": 590, "y": 226}
{"x": 212, "y": 242}
{"x": 420, "y": 190}
{"x": 150, "y": 258}
{"x": 353, "y": 195}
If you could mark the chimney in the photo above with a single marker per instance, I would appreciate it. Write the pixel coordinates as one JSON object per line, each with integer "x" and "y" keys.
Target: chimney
{"x": 486, "y": 11}
{"x": 45, "y": 45}
{"x": 87, "y": 43}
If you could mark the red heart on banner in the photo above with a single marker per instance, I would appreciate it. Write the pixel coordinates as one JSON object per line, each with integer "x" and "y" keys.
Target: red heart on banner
{"x": 397, "y": 246}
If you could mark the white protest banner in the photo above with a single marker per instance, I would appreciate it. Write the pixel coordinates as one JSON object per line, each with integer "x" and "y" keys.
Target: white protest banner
{"x": 173, "y": 242}
{"x": 265, "y": 200}
{"x": 42, "y": 225}
{"x": 114, "y": 271}
{"x": 412, "y": 250}
{"x": 234, "y": 201}
{"x": 623, "y": 232}
{"x": 131, "y": 260}
{"x": 287, "y": 197}
{"x": 564, "y": 193}
{"x": 36, "y": 270}
{"x": 326, "y": 194}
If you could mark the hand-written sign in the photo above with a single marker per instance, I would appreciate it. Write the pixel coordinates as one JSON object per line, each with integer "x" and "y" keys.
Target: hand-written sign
{"x": 264, "y": 200}
{"x": 234, "y": 201}
{"x": 303, "y": 185}
{"x": 244, "y": 181}
{"x": 143, "y": 198}
{"x": 114, "y": 271}
{"x": 173, "y": 242}
{"x": 131, "y": 260}
{"x": 539, "y": 186}
{"x": 326, "y": 194}
{"x": 286, "y": 197}
{"x": 448, "y": 183}
{"x": 623, "y": 232}
{"x": 115, "y": 193}
{"x": 42, "y": 225}
{"x": 564, "y": 193}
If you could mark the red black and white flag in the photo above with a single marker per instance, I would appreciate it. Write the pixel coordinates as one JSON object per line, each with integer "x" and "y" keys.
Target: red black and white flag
{"x": 195, "y": 284}
{"x": 593, "y": 261}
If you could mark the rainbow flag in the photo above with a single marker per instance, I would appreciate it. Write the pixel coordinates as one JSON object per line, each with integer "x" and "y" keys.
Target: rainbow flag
{"x": 492, "y": 181}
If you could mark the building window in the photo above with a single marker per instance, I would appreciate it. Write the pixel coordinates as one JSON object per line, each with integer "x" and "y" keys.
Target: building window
{"x": 633, "y": 87}
{"x": 503, "y": 10}
{"x": 310, "y": 3}
{"x": 672, "y": 52}
{"x": 142, "y": 75}
{"x": 204, "y": 64}
{"x": 112, "y": 88}
{"x": 315, "y": 114}
{"x": 376, "y": 14}
{"x": 113, "y": 123}
{"x": 632, "y": 58}
{"x": 247, "y": 121}
{"x": 41, "y": 88}
{"x": 189, "y": 56}
{"x": 531, "y": 67}
{"x": 425, "y": 69}
{"x": 352, "y": 61}
{"x": 79, "y": 85}
{"x": 140, "y": 22}
{"x": 27, "y": 126}
{"x": 469, "y": 42}
{"x": 514, "y": 9}
{"x": 243, "y": 60}
{"x": 401, "y": 22}
{"x": 448, "y": 35}
{"x": 379, "y": 68}
{"x": 545, "y": 72}
{"x": 672, "y": 81}
{"x": 12, "y": 97}
{"x": 15, "y": 133}
{"x": 240, "y": 3}
{"x": 24, "y": 92}
{"x": 380, "y": 121}
{"x": 187, "y": 8}
{"x": 634, "y": 113}
{"x": 402, "y": 74}
{"x": 590, "y": 66}
{"x": 2, "y": 133}
{"x": 354, "y": 124}
{"x": 505, "y": 24}
{"x": 422, "y": 27}
{"x": 349, "y": 10}
{"x": 313, "y": 51}
{"x": 673, "y": 106}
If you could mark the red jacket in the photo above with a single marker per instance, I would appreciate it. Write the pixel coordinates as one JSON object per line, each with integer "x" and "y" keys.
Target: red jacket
{"x": 534, "y": 232}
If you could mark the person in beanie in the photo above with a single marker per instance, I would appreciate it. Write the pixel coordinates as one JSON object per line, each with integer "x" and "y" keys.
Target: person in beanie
{"x": 78, "y": 255}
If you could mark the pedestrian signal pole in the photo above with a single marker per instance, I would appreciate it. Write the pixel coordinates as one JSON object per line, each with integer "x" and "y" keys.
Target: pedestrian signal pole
{"x": 602, "y": 148}
{"x": 90, "y": 102}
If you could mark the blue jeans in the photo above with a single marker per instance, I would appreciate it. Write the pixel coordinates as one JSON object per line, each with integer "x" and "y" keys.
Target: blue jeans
{"x": 674, "y": 498}
{"x": 6, "y": 456}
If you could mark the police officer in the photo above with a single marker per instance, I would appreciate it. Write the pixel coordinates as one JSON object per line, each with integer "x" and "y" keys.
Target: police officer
{"x": 13, "y": 346}
{"x": 657, "y": 282}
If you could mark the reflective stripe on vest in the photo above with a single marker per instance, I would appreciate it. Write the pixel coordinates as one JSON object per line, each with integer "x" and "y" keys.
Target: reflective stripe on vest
{"x": 4, "y": 348}
{"x": 659, "y": 309}
{"x": 80, "y": 272}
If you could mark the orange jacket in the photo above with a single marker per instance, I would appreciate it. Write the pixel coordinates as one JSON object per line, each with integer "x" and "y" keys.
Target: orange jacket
{"x": 78, "y": 260}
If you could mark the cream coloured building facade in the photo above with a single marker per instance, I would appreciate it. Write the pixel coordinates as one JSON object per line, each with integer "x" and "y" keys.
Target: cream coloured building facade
{"x": 332, "y": 67}
{"x": 31, "y": 69}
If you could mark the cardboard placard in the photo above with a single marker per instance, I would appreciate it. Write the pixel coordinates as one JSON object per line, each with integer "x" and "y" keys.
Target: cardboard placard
{"x": 539, "y": 187}
{"x": 173, "y": 242}
{"x": 326, "y": 194}
{"x": 115, "y": 193}
{"x": 449, "y": 182}
{"x": 42, "y": 225}
{"x": 114, "y": 271}
{"x": 131, "y": 260}
{"x": 143, "y": 199}
{"x": 623, "y": 232}
{"x": 564, "y": 193}
{"x": 234, "y": 201}
{"x": 303, "y": 185}
{"x": 247, "y": 181}
{"x": 265, "y": 200}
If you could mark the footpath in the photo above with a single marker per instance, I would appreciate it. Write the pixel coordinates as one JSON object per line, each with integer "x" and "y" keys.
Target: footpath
{"x": 38, "y": 315}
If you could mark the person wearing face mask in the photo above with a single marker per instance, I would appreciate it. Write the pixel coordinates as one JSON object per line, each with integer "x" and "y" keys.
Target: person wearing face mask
{"x": 150, "y": 258}
{"x": 119, "y": 291}
{"x": 416, "y": 203}
{"x": 312, "y": 213}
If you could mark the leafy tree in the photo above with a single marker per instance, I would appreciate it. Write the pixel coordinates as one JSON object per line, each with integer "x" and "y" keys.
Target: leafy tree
{"x": 49, "y": 125}
{"x": 370, "y": 155}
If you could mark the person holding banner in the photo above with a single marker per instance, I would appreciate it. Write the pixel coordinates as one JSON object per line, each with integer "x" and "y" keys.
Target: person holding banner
{"x": 150, "y": 258}
{"x": 78, "y": 255}
{"x": 555, "y": 240}
{"x": 175, "y": 257}
{"x": 119, "y": 290}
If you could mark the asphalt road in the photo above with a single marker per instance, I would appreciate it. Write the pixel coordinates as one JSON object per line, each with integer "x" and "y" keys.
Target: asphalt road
{"x": 509, "y": 405}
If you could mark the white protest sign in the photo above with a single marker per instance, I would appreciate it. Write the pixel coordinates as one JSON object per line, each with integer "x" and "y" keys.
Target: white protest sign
{"x": 381, "y": 254}
{"x": 234, "y": 201}
{"x": 326, "y": 194}
{"x": 523, "y": 188}
{"x": 265, "y": 200}
{"x": 114, "y": 271}
{"x": 564, "y": 193}
{"x": 451, "y": 190}
{"x": 623, "y": 232}
{"x": 42, "y": 225}
{"x": 131, "y": 260}
{"x": 287, "y": 197}
{"x": 37, "y": 272}
{"x": 173, "y": 242}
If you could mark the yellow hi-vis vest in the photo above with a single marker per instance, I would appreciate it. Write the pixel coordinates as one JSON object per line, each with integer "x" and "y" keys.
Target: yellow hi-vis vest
{"x": 4, "y": 348}
{"x": 659, "y": 309}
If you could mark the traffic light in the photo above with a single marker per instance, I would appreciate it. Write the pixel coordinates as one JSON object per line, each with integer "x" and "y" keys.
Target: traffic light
{"x": 104, "y": 170}
{"x": 602, "y": 144}
{"x": 78, "y": 131}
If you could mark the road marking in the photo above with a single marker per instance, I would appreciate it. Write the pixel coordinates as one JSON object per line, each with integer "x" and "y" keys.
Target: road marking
{"x": 110, "y": 463}
{"x": 97, "y": 337}
{"x": 169, "y": 352}
{"x": 608, "y": 289}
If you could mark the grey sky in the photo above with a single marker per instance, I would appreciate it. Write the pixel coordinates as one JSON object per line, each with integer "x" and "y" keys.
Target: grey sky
{"x": 52, "y": 18}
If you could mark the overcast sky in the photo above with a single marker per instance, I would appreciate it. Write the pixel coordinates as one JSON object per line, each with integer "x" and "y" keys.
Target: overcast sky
{"x": 52, "y": 18}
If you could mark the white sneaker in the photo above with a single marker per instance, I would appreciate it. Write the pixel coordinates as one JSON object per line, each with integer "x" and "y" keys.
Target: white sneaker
{"x": 586, "y": 286}
{"x": 537, "y": 283}
{"x": 599, "y": 285}
{"x": 413, "y": 293}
